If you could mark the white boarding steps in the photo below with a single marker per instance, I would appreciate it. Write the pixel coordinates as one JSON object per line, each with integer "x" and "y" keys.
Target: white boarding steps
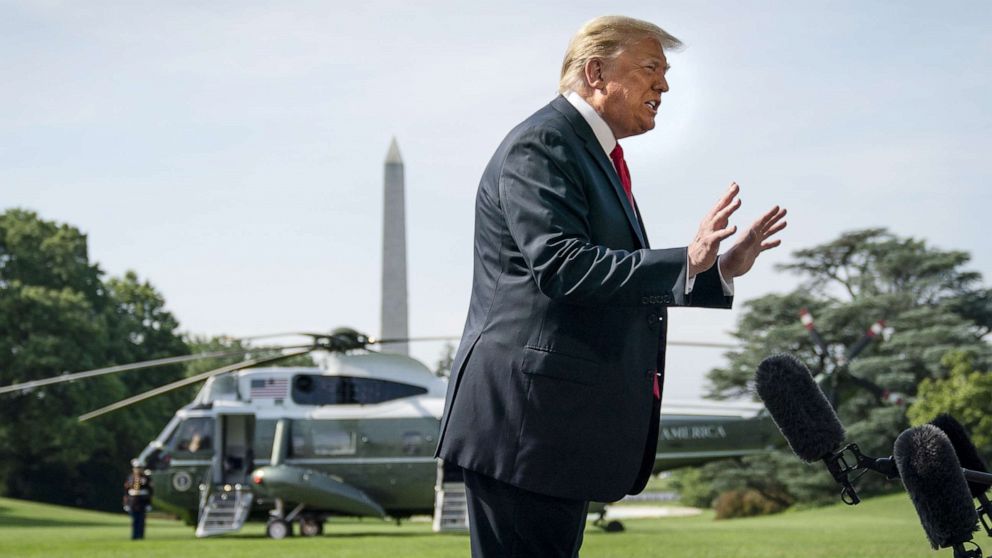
{"x": 450, "y": 511}
{"x": 225, "y": 510}
{"x": 450, "y": 507}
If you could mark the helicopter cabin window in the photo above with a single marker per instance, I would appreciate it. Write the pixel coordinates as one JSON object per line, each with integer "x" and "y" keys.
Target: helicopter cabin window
{"x": 313, "y": 389}
{"x": 194, "y": 435}
{"x": 320, "y": 438}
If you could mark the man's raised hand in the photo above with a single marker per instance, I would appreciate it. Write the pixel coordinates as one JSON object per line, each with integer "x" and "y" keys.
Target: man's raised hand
{"x": 715, "y": 227}
{"x": 738, "y": 260}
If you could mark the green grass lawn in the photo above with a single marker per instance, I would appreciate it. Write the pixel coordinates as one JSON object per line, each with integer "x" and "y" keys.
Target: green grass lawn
{"x": 880, "y": 527}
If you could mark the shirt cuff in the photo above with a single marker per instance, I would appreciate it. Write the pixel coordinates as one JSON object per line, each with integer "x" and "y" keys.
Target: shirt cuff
{"x": 690, "y": 282}
{"x": 728, "y": 286}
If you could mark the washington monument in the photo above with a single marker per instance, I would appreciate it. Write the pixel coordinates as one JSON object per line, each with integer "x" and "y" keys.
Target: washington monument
{"x": 394, "y": 293}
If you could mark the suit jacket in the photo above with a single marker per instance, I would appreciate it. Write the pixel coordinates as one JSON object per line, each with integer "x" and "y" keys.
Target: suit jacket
{"x": 551, "y": 386}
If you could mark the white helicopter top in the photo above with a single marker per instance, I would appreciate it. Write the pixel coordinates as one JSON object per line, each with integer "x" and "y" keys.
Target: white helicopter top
{"x": 379, "y": 385}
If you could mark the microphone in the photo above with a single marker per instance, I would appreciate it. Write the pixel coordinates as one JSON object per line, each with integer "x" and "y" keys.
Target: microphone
{"x": 969, "y": 458}
{"x": 810, "y": 425}
{"x": 933, "y": 478}
{"x": 798, "y": 407}
{"x": 964, "y": 448}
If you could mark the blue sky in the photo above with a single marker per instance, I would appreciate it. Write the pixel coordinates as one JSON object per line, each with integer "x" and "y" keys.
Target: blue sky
{"x": 231, "y": 152}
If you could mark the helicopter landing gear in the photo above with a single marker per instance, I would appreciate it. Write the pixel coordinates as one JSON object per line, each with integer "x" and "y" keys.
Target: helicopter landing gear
{"x": 278, "y": 529}
{"x": 280, "y": 524}
{"x": 311, "y": 526}
{"x": 613, "y": 526}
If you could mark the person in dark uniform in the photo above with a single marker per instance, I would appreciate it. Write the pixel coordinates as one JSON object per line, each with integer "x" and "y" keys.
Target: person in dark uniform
{"x": 137, "y": 498}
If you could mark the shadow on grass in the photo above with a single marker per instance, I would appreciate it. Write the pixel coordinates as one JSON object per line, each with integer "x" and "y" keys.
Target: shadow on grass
{"x": 369, "y": 534}
{"x": 7, "y": 520}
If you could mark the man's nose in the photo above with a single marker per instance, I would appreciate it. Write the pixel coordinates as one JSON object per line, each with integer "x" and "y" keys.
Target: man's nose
{"x": 661, "y": 85}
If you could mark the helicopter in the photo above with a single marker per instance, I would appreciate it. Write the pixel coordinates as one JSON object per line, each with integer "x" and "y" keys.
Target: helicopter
{"x": 354, "y": 437}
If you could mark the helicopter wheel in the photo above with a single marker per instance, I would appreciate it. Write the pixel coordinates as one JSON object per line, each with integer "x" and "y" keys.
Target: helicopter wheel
{"x": 613, "y": 527}
{"x": 311, "y": 526}
{"x": 278, "y": 529}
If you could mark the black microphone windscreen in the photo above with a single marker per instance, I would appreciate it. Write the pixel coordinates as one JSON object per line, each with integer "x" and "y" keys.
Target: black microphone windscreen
{"x": 798, "y": 407}
{"x": 964, "y": 448}
{"x": 932, "y": 476}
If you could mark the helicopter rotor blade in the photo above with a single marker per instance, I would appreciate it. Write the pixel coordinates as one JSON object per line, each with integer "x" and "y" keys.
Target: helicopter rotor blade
{"x": 369, "y": 340}
{"x": 874, "y": 331}
{"x": 192, "y": 380}
{"x": 867, "y": 385}
{"x": 807, "y": 319}
{"x": 373, "y": 340}
{"x": 118, "y": 368}
{"x": 699, "y": 344}
{"x": 704, "y": 344}
{"x": 276, "y": 335}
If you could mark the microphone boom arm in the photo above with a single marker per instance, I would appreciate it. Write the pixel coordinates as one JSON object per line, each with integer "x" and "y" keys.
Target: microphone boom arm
{"x": 848, "y": 460}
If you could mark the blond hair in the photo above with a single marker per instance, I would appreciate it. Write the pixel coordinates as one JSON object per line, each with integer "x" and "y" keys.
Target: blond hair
{"x": 605, "y": 37}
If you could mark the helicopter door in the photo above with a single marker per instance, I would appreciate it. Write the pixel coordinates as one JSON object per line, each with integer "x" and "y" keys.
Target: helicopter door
{"x": 236, "y": 456}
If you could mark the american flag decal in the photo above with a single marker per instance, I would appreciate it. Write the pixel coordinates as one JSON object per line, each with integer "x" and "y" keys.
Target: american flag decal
{"x": 271, "y": 388}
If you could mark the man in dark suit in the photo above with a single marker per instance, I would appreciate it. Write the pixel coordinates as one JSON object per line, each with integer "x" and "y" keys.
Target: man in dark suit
{"x": 554, "y": 395}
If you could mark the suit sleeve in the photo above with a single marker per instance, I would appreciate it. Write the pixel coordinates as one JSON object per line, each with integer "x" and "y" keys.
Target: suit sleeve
{"x": 546, "y": 213}
{"x": 708, "y": 291}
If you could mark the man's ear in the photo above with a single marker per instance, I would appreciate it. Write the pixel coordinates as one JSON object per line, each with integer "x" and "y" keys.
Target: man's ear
{"x": 594, "y": 74}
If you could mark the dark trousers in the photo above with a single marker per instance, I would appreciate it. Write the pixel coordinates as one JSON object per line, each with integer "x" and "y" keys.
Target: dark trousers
{"x": 137, "y": 524}
{"x": 510, "y": 522}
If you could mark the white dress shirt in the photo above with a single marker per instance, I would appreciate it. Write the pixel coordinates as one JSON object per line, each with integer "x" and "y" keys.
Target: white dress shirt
{"x": 607, "y": 141}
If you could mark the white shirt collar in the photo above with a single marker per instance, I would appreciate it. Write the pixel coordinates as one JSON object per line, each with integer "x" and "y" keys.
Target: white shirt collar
{"x": 599, "y": 126}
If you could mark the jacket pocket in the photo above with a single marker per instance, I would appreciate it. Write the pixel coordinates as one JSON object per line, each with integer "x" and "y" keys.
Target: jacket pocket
{"x": 542, "y": 361}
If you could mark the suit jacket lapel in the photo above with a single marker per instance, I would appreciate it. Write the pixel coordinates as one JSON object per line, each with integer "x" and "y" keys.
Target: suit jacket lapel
{"x": 596, "y": 150}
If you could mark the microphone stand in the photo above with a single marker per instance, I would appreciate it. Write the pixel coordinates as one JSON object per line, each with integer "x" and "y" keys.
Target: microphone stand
{"x": 984, "y": 508}
{"x": 961, "y": 552}
{"x": 985, "y": 513}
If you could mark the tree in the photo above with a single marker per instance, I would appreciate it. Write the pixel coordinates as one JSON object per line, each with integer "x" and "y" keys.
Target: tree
{"x": 139, "y": 328}
{"x": 849, "y": 283}
{"x": 443, "y": 367}
{"x": 965, "y": 393}
{"x": 57, "y": 315}
{"x": 924, "y": 293}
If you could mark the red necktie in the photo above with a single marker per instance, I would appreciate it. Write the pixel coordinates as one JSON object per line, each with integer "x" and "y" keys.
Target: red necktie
{"x": 621, "y": 165}
{"x": 623, "y": 172}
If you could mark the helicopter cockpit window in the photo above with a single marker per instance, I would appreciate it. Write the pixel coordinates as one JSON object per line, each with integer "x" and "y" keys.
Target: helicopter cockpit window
{"x": 312, "y": 389}
{"x": 194, "y": 435}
